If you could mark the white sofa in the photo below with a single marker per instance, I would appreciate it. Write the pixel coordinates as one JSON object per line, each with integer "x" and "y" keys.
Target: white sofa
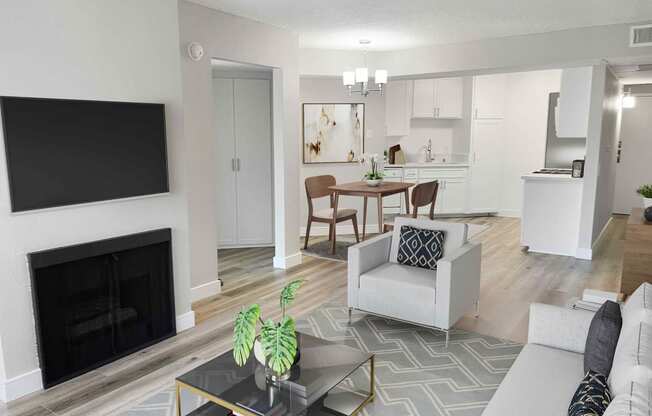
{"x": 548, "y": 370}
{"x": 435, "y": 298}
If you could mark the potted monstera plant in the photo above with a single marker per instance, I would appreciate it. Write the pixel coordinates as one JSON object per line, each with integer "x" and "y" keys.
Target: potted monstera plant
{"x": 275, "y": 344}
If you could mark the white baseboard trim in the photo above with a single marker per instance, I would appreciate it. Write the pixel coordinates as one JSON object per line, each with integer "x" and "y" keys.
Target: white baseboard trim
{"x": 321, "y": 229}
{"x": 584, "y": 253}
{"x": 510, "y": 213}
{"x": 287, "y": 262}
{"x": 185, "y": 321}
{"x": 22, "y": 385}
{"x": 206, "y": 290}
{"x": 587, "y": 253}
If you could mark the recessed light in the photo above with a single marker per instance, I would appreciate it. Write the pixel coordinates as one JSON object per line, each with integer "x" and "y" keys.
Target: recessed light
{"x": 364, "y": 41}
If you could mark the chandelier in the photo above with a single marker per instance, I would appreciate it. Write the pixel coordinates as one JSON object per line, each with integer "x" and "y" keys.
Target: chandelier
{"x": 361, "y": 77}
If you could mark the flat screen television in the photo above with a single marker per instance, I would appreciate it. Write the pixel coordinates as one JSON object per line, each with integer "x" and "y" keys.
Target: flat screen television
{"x": 65, "y": 152}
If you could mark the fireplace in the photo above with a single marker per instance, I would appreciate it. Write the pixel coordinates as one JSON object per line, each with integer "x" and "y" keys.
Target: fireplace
{"x": 100, "y": 301}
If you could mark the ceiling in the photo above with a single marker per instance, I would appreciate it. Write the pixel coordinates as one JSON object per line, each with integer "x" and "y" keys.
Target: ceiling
{"x": 399, "y": 24}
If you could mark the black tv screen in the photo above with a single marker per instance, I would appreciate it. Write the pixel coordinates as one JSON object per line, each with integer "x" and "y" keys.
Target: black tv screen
{"x": 64, "y": 152}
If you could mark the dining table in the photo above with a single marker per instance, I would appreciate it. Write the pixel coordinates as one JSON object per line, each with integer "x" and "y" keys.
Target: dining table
{"x": 361, "y": 189}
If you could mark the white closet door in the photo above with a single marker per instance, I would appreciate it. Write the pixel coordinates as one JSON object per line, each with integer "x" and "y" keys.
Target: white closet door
{"x": 253, "y": 130}
{"x": 226, "y": 178}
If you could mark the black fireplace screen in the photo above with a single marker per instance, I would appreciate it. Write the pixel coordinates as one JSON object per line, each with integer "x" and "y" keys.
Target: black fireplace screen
{"x": 97, "y": 302}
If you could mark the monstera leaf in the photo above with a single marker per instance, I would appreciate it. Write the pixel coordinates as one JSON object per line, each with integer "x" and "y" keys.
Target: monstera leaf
{"x": 244, "y": 333}
{"x": 279, "y": 344}
{"x": 289, "y": 293}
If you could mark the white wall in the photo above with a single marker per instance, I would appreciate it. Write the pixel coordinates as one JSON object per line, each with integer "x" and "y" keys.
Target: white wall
{"x": 526, "y": 123}
{"x": 600, "y": 167}
{"x": 98, "y": 50}
{"x": 329, "y": 90}
{"x": 584, "y": 46}
{"x": 228, "y": 37}
{"x": 608, "y": 148}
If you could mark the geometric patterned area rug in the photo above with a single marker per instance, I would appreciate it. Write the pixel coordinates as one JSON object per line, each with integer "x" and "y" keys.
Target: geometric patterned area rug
{"x": 415, "y": 375}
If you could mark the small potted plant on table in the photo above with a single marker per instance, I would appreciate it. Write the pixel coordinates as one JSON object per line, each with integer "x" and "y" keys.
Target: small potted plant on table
{"x": 646, "y": 192}
{"x": 276, "y": 345}
{"x": 373, "y": 176}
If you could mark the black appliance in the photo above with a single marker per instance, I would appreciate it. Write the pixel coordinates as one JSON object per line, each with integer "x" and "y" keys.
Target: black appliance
{"x": 64, "y": 152}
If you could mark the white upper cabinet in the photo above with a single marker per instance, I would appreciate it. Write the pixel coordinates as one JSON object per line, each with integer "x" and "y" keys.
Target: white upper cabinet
{"x": 423, "y": 101}
{"x": 489, "y": 97}
{"x": 440, "y": 98}
{"x": 449, "y": 98}
{"x": 398, "y": 108}
{"x": 574, "y": 102}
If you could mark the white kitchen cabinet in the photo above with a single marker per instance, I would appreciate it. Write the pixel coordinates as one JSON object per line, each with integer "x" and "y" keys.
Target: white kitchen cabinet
{"x": 440, "y": 98}
{"x": 449, "y": 98}
{"x": 485, "y": 174}
{"x": 398, "y": 108}
{"x": 244, "y": 171}
{"x": 451, "y": 196}
{"x": 423, "y": 98}
{"x": 454, "y": 196}
{"x": 489, "y": 96}
{"x": 393, "y": 204}
{"x": 572, "y": 118}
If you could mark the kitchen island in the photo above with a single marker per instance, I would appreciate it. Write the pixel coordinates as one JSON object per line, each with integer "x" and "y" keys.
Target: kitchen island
{"x": 551, "y": 213}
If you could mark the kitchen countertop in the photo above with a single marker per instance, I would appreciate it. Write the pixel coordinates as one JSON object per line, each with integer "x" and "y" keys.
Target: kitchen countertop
{"x": 545, "y": 177}
{"x": 429, "y": 165}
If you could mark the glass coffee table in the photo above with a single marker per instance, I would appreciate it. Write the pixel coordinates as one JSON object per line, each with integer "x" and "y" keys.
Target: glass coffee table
{"x": 311, "y": 390}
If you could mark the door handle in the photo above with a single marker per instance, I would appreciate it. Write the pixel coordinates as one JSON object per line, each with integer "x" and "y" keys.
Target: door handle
{"x": 233, "y": 164}
{"x": 237, "y": 164}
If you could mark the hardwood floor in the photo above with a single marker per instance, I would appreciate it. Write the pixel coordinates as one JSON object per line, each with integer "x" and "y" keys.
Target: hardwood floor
{"x": 511, "y": 280}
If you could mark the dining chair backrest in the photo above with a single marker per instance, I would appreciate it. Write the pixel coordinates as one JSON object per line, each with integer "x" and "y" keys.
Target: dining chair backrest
{"x": 424, "y": 194}
{"x": 317, "y": 187}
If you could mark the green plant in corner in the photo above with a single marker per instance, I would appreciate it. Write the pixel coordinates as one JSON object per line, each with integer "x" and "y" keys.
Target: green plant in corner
{"x": 278, "y": 339}
{"x": 645, "y": 191}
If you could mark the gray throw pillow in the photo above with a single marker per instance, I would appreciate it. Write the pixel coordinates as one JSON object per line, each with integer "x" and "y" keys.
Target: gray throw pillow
{"x": 602, "y": 338}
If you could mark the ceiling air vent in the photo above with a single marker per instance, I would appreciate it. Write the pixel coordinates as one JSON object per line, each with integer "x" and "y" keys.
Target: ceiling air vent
{"x": 641, "y": 36}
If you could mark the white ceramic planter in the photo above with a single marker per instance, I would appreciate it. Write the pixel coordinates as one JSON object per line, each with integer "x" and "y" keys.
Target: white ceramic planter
{"x": 258, "y": 352}
{"x": 647, "y": 202}
{"x": 374, "y": 182}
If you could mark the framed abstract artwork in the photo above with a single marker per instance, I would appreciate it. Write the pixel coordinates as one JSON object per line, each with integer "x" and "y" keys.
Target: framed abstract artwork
{"x": 333, "y": 132}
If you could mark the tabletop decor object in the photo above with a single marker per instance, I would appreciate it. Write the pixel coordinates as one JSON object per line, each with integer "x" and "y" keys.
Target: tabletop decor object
{"x": 373, "y": 176}
{"x": 277, "y": 340}
{"x": 646, "y": 192}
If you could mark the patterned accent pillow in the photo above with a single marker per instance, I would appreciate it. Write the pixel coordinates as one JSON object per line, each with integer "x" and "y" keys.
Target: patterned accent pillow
{"x": 592, "y": 397}
{"x": 420, "y": 247}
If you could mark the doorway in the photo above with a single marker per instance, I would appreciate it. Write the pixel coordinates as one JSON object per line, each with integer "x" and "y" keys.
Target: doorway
{"x": 635, "y": 153}
{"x": 245, "y": 199}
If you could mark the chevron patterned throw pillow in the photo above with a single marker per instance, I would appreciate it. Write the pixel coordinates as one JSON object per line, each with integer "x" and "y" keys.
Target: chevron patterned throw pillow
{"x": 420, "y": 247}
{"x": 592, "y": 396}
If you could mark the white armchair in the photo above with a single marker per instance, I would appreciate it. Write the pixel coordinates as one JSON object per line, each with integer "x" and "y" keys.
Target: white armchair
{"x": 435, "y": 298}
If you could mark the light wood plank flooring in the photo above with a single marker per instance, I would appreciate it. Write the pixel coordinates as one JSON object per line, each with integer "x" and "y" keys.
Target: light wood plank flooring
{"x": 511, "y": 280}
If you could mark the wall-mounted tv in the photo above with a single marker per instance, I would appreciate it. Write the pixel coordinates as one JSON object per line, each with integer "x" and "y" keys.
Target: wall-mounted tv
{"x": 65, "y": 152}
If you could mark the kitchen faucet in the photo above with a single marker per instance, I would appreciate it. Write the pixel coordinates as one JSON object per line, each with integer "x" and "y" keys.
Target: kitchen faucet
{"x": 428, "y": 150}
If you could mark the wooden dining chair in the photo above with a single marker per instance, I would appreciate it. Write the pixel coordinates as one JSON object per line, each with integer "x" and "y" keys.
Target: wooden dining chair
{"x": 317, "y": 187}
{"x": 422, "y": 195}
